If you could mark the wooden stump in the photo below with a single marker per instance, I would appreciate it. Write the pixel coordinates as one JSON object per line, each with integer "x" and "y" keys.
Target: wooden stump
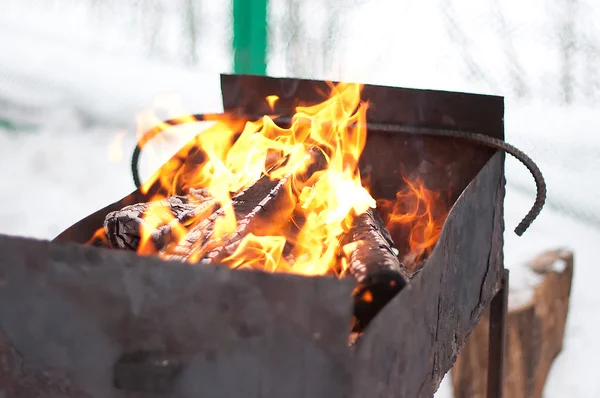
{"x": 535, "y": 331}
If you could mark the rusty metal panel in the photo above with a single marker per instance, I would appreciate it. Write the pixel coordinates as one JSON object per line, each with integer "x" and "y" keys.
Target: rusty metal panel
{"x": 428, "y": 108}
{"x": 80, "y": 321}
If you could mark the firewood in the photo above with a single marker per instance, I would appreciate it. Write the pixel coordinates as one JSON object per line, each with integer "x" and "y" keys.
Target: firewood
{"x": 535, "y": 330}
{"x": 373, "y": 261}
{"x": 124, "y": 227}
{"x": 271, "y": 212}
{"x": 264, "y": 206}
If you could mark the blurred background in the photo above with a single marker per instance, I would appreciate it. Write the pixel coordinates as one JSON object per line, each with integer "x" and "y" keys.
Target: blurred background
{"x": 76, "y": 76}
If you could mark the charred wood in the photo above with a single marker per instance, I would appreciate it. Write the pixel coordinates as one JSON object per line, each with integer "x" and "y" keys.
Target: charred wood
{"x": 264, "y": 207}
{"x": 124, "y": 228}
{"x": 271, "y": 212}
{"x": 198, "y": 242}
{"x": 373, "y": 262}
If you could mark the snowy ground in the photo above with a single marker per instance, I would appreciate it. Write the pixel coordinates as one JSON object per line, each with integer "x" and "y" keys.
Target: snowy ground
{"x": 71, "y": 99}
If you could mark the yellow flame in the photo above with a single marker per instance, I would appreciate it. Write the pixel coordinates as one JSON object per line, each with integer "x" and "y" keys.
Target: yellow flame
{"x": 272, "y": 100}
{"x": 156, "y": 215}
{"x": 236, "y": 154}
{"x": 259, "y": 252}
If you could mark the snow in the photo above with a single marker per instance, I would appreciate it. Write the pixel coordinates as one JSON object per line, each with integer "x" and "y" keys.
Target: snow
{"x": 521, "y": 290}
{"x": 73, "y": 87}
{"x": 558, "y": 266}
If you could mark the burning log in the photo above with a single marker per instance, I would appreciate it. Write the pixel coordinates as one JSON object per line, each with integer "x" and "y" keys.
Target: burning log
{"x": 124, "y": 227}
{"x": 269, "y": 213}
{"x": 198, "y": 237}
{"x": 264, "y": 207}
{"x": 373, "y": 261}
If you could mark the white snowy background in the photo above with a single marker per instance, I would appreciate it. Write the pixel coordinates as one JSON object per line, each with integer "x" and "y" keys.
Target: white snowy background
{"x": 74, "y": 75}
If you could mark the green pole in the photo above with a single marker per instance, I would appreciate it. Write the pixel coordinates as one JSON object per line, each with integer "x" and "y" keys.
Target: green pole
{"x": 250, "y": 36}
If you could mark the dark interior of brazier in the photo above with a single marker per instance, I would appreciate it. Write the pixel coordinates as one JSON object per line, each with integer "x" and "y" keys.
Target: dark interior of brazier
{"x": 318, "y": 194}
{"x": 415, "y": 181}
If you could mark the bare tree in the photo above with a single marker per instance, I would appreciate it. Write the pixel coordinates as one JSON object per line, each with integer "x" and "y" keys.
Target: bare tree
{"x": 331, "y": 39}
{"x": 567, "y": 41}
{"x": 152, "y": 18}
{"x": 462, "y": 42}
{"x": 336, "y": 13}
{"x": 294, "y": 36}
{"x": 591, "y": 50}
{"x": 589, "y": 47}
{"x": 305, "y": 55}
{"x": 516, "y": 72}
{"x": 190, "y": 12}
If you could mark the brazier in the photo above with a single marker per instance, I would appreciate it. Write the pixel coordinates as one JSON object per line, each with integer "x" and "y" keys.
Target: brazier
{"x": 81, "y": 321}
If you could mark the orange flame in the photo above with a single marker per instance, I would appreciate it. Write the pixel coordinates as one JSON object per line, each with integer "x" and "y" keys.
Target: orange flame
{"x": 98, "y": 238}
{"x": 417, "y": 212}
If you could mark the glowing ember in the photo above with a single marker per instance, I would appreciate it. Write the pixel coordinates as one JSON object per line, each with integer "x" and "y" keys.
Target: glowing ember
{"x": 320, "y": 205}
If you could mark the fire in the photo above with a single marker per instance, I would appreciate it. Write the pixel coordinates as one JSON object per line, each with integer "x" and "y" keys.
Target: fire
{"x": 165, "y": 107}
{"x": 98, "y": 238}
{"x": 418, "y": 213}
{"x": 272, "y": 100}
{"x": 154, "y": 217}
{"x": 259, "y": 252}
{"x": 316, "y": 160}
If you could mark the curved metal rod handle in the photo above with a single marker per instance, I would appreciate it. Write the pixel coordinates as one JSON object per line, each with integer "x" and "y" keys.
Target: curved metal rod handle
{"x": 476, "y": 138}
